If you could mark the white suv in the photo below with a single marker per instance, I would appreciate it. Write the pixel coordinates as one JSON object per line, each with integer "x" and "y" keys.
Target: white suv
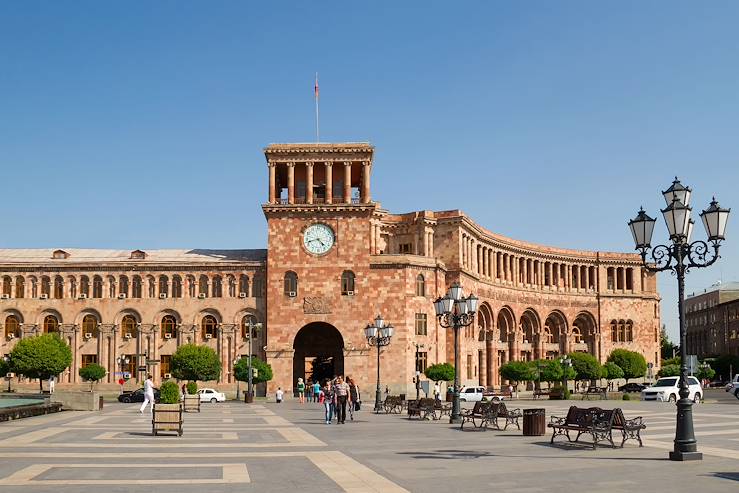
{"x": 471, "y": 394}
{"x": 668, "y": 389}
{"x": 733, "y": 386}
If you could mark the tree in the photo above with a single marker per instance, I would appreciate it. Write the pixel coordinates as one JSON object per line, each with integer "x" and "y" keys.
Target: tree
{"x": 4, "y": 367}
{"x": 92, "y": 373}
{"x": 518, "y": 371}
{"x": 193, "y": 362}
{"x": 667, "y": 347}
{"x": 586, "y": 366}
{"x": 632, "y": 363}
{"x": 705, "y": 372}
{"x": 726, "y": 366}
{"x": 264, "y": 370}
{"x": 440, "y": 372}
{"x": 611, "y": 371}
{"x": 41, "y": 357}
{"x": 669, "y": 371}
{"x": 169, "y": 393}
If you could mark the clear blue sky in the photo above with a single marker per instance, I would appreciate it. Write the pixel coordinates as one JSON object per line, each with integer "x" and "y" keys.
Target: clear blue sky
{"x": 141, "y": 124}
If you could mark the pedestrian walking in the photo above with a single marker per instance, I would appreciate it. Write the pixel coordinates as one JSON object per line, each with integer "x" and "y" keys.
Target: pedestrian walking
{"x": 51, "y": 384}
{"x": 148, "y": 395}
{"x": 328, "y": 402}
{"x": 301, "y": 391}
{"x": 341, "y": 389}
{"x": 308, "y": 392}
{"x": 353, "y": 396}
{"x": 437, "y": 391}
{"x": 279, "y": 395}
{"x": 316, "y": 391}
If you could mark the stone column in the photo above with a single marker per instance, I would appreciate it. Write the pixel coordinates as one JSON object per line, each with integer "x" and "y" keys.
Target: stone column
{"x": 366, "y": 168}
{"x": 329, "y": 182}
{"x": 309, "y": 182}
{"x": 290, "y": 183}
{"x": 568, "y": 282}
{"x": 622, "y": 277}
{"x": 347, "y": 182}
{"x": 587, "y": 278}
{"x": 272, "y": 184}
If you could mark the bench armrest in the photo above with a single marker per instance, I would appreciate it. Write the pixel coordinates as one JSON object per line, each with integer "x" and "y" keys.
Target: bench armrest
{"x": 557, "y": 420}
{"x": 637, "y": 422}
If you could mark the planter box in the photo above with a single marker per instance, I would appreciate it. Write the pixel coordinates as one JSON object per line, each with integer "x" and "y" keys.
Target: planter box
{"x": 78, "y": 400}
{"x": 166, "y": 417}
{"x": 192, "y": 403}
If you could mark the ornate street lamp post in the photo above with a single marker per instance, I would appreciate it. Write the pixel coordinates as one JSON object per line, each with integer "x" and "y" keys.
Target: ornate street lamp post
{"x": 8, "y": 377}
{"x": 378, "y": 335}
{"x": 249, "y": 386}
{"x": 235, "y": 362}
{"x": 679, "y": 257}
{"x": 455, "y": 311}
{"x": 418, "y": 371}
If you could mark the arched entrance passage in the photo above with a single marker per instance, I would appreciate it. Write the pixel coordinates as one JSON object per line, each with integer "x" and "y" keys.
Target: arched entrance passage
{"x": 319, "y": 353}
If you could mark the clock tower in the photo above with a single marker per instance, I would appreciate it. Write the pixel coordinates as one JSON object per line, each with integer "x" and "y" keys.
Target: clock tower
{"x": 321, "y": 234}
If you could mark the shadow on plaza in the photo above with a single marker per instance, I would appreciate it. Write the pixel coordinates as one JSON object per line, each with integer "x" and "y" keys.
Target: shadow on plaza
{"x": 734, "y": 476}
{"x": 568, "y": 447}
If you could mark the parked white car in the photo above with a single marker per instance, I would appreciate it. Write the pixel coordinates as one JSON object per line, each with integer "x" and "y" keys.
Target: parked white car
{"x": 471, "y": 394}
{"x": 210, "y": 395}
{"x": 733, "y": 386}
{"x": 667, "y": 389}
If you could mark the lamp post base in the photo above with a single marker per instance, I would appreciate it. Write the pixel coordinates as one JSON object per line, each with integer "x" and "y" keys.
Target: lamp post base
{"x": 685, "y": 456}
{"x": 378, "y": 402}
{"x": 455, "y": 420}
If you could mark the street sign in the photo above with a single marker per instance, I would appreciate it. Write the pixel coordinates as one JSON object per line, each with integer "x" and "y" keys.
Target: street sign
{"x": 121, "y": 381}
{"x": 152, "y": 361}
{"x": 142, "y": 368}
{"x": 692, "y": 363}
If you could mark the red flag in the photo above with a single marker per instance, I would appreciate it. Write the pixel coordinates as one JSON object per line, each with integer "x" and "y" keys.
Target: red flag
{"x": 315, "y": 88}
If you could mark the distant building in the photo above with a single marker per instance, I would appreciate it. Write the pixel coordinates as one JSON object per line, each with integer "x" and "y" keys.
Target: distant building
{"x": 334, "y": 260}
{"x": 712, "y": 320}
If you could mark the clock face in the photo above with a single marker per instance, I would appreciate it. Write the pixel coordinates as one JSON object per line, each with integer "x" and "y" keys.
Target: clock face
{"x": 318, "y": 238}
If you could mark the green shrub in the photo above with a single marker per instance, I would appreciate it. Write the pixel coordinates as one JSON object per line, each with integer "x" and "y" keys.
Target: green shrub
{"x": 669, "y": 371}
{"x": 626, "y": 397}
{"x": 92, "y": 373}
{"x": 263, "y": 370}
{"x": 566, "y": 395}
{"x": 192, "y": 387}
{"x": 196, "y": 363}
{"x": 586, "y": 366}
{"x": 632, "y": 363}
{"x": 169, "y": 393}
{"x": 440, "y": 372}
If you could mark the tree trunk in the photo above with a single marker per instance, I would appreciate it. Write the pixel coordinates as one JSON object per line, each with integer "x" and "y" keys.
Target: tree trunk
{"x": 40, "y": 385}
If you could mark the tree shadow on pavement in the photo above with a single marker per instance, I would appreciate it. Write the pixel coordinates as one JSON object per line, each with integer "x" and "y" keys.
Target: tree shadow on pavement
{"x": 734, "y": 476}
{"x": 476, "y": 454}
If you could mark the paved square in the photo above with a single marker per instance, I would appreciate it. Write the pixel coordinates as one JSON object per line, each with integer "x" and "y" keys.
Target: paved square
{"x": 231, "y": 447}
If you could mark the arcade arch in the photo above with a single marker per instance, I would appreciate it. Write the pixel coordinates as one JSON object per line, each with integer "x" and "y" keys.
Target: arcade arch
{"x": 319, "y": 353}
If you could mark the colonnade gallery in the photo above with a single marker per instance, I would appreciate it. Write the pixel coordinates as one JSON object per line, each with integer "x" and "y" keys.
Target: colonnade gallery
{"x": 334, "y": 260}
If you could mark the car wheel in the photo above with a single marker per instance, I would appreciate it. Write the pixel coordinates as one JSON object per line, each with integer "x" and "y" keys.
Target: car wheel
{"x": 697, "y": 398}
{"x": 126, "y": 400}
{"x": 213, "y": 400}
{"x": 672, "y": 398}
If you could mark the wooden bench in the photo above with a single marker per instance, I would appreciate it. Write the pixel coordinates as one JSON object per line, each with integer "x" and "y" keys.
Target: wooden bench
{"x": 498, "y": 410}
{"x": 630, "y": 428}
{"x": 423, "y": 408}
{"x": 540, "y": 393}
{"x": 599, "y": 391}
{"x": 392, "y": 404}
{"x": 478, "y": 415}
{"x": 593, "y": 421}
{"x": 441, "y": 409}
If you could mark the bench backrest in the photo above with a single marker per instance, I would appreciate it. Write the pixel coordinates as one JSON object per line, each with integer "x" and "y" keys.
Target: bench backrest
{"x": 478, "y": 407}
{"x": 426, "y": 402}
{"x": 618, "y": 418}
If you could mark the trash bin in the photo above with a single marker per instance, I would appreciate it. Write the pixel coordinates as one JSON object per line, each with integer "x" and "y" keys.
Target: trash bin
{"x": 534, "y": 422}
{"x": 100, "y": 408}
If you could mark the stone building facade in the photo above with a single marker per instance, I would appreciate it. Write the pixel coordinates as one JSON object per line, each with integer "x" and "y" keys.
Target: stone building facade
{"x": 334, "y": 260}
{"x": 712, "y": 321}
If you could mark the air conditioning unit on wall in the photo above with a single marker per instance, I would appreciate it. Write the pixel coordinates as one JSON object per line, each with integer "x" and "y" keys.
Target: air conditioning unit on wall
{"x": 292, "y": 294}
{"x": 44, "y": 297}
{"x": 201, "y": 296}
{"x": 121, "y": 296}
{"x": 88, "y": 335}
{"x": 242, "y": 295}
{"x": 11, "y": 336}
{"x": 4, "y": 296}
{"x": 168, "y": 335}
{"x": 162, "y": 296}
{"x": 127, "y": 335}
{"x": 350, "y": 293}
{"x": 167, "y": 375}
{"x": 83, "y": 296}
{"x": 209, "y": 336}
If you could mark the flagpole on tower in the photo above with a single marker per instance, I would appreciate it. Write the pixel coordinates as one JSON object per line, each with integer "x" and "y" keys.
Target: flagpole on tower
{"x": 315, "y": 95}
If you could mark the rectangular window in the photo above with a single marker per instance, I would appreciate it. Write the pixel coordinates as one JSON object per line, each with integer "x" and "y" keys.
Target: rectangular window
{"x": 88, "y": 359}
{"x": 611, "y": 284}
{"x": 405, "y": 248}
{"x": 469, "y": 367}
{"x": 165, "y": 365}
{"x": 421, "y": 361}
{"x": 421, "y": 326}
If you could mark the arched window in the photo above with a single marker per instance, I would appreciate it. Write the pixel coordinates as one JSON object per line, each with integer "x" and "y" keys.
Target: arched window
{"x": 89, "y": 326}
{"x": 420, "y": 285}
{"x": 614, "y": 331}
{"x": 97, "y": 287}
{"x": 129, "y": 327}
{"x": 85, "y": 286}
{"x": 231, "y": 283}
{"x": 152, "y": 284}
{"x": 548, "y": 337}
{"x": 111, "y": 287}
{"x": 169, "y": 327}
{"x": 244, "y": 285}
{"x": 45, "y": 286}
{"x": 34, "y": 286}
{"x": 123, "y": 288}
{"x": 629, "y": 331}
{"x": 176, "y": 286}
{"x": 58, "y": 287}
{"x": 163, "y": 286}
{"x": 51, "y": 324}
{"x": 291, "y": 284}
{"x": 245, "y": 326}
{"x": 191, "y": 286}
{"x": 7, "y": 281}
{"x": 136, "y": 288}
{"x": 217, "y": 287}
{"x": 12, "y": 327}
{"x": 208, "y": 327}
{"x": 576, "y": 335}
{"x": 347, "y": 283}
{"x": 20, "y": 287}
{"x": 203, "y": 286}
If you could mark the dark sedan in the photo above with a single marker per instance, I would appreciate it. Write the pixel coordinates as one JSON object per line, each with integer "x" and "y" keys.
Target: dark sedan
{"x": 632, "y": 387}
{"x": 136, "y": 396}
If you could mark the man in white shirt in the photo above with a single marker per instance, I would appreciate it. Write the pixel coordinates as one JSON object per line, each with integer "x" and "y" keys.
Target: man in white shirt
{"x": 279, "y": 394}
{"x": 148, "y": 395}
{"x": 51, "y": 384}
